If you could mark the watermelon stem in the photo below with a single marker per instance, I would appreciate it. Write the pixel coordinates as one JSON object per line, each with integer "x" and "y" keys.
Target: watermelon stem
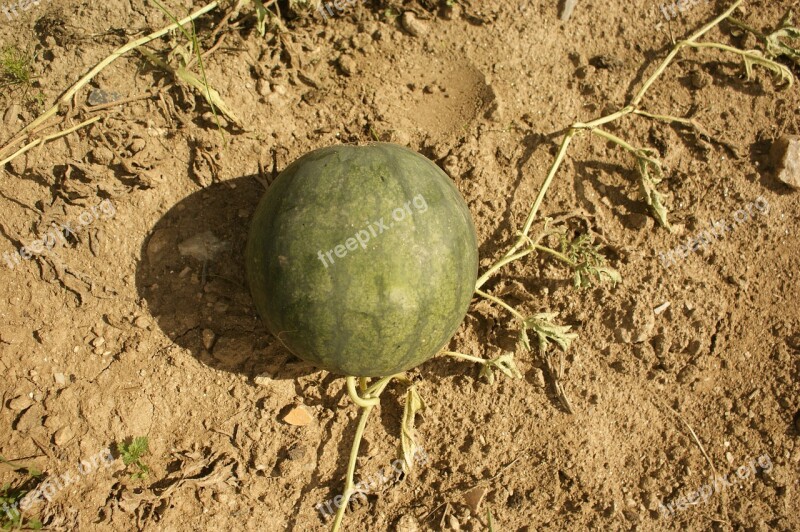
{"x": 523, "y": 245}
{"x": 369, "y": 401}
{"x": 357, "y": 399}
{"x": 502, "y": 303}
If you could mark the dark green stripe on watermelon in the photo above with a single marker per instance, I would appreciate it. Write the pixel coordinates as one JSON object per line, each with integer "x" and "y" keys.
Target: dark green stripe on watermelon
{"x": 376, "y": 311}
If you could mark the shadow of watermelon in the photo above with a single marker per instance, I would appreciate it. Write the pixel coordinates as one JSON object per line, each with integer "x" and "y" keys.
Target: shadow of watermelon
{"x": 191, "y": 275}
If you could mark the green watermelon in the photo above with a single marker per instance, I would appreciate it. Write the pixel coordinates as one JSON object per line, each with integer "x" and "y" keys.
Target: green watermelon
{"x": 362, "y": 259}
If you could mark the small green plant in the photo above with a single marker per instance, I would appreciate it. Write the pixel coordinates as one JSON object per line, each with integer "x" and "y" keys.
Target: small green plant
{"x": 11, "y": 517}
{"x": 775, "y": 45}
{"x": 186, "y": 55}
{"x": 588, "y": 264}
{"x": 131, "y": 454}
{"x": 15, "y": 67}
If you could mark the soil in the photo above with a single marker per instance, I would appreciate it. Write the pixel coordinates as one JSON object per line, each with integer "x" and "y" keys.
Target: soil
{"x": 139, "y": 321}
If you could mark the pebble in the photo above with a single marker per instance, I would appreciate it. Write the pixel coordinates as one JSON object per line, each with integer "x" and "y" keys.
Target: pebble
{"x": 298, "y": 416}
{"x": 60, "y": 379}
{"x": 699, "y": 79}
{"x": 297, "y": 453}
{"x": 11, "y": 116}
{"x": 20, "y": 403}
{"x": 137, "y": 145}
{"x": 474, "y": 497}
{"x": 100, "y": 97}
{"x": 263, "y": 88}
{"x": 414, "y": 26}
{"x": 538, "y": 378}
{"x": 141, "y": 322}
{"x": 263, "y": 379}
{"x": 208, "y": 339}
{"x": 406, "y": 523}
{"x": 454, "y": 524}
{"x": 451, "y": 12}
{"x": 30, "y": 419}
{"x": 785, "y": 154}
{"x": 102, "y": 155}
{"x": 637, "y": 323}
{"x": 63, "y": 435}
{"x": 202, "y": 246}
{"x": 347, "y": 65}
{"x": 639, "y": 221}
{"x": 689, "y": 374}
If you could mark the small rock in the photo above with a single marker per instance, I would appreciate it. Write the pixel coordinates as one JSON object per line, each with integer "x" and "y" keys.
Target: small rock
{"x": 639, "y": 221}
{"x": 63, "y": 435}
{"x": 141, "y": 322}
{"x": 538, "y": 378}
{"x": 137, "y": 145}
{"x": 98, "y": 342}
{"x": 606, "y": 62}
{"x": 30, "y": 419}
{"x": 729, "y": 457}
{"x": 661, "y": 308}
{"x": 699, "y": 79}
{"x": 20, "y": 403}
{"x": 263, "y": 88}
{"x": 100, "y": 97}
{"x": 637, "y": 323}
{"x": 298, "y": 416}
{"x": 60, "y": 379}
{"x": 297, "y": 453}
{"x": 689, "y": 374}
{"x": 11, "y": 116}
{"x": 451, "y": 12}
{"x": 203, "y": 246}
{"x": 208, "y": 339}
{"x": 102, "y": 155}
{"x": 414, "y": 26}
{"x": 454, "y": 524}
{"x": 450, "y": 165}
{"x": 474, "y": 497}
{"x": 406, "y": 523}
{"x": 785, "y": 154}
{"x": 347, "y": 65}
{"x": 263, "y": 379}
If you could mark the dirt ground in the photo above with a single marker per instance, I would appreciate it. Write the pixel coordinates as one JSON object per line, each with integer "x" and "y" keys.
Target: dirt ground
{"x": 139, "y": 321}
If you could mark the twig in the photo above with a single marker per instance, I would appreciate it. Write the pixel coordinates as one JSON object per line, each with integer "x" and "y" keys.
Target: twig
{"x": 42, "y": 140}
{"x": 72, "y": 91}
{"x": 694, "y": 436}
{"x": 514, "y": 253}
{"x": 569, "y": 6}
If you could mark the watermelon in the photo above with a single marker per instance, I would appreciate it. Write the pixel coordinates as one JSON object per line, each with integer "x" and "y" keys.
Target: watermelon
{"x": 362, "y": 260}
